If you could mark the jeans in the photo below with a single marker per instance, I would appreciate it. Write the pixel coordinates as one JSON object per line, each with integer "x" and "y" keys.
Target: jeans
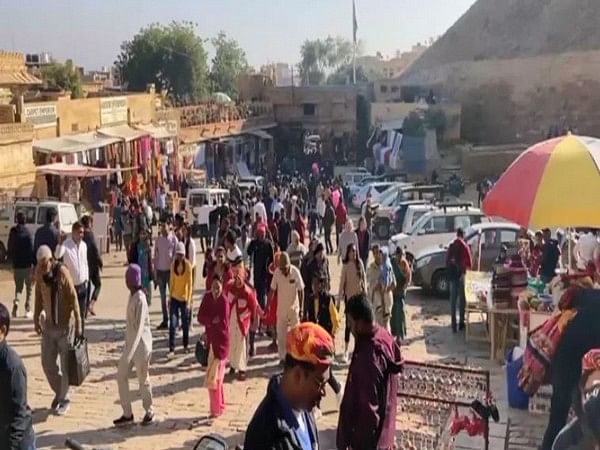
{"x": 328, "y": 244}
{"x": 457, "y": 294}
{"x": 178, "y": 309}
{"x": 162, "y": 279}
{"x": 55, "y": 359}
{"x": 261, "y": 291}
{"x": 94, "y": 286}
{"x": 22, "y": 278}
{"x": 338, "y": 229}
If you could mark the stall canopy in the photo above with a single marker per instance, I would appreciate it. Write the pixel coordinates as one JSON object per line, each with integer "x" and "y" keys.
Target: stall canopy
{"x": 157, "y": 132}
{"x": 72, "y": 144}
{"x": 76, "y": 170}
{"x": 261, "y": 134}
{"x": 123, "y": 132}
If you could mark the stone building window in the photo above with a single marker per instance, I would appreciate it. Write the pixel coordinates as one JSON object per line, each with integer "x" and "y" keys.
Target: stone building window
{"x": 383, "y": 88}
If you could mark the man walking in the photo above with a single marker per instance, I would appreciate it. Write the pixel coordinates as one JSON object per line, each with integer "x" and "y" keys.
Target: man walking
{"x": 458, "y": 261}
{"x": 20, "y": 252}
{"x": 283, "y": 420}
{"x": 56, "y": 303}
{"x": 16, "y": 430}
{"x": 73, "y": 253}
{"x": 164, "y": 254}
{"x": 288, "y": 284}
{"x": 260, "y": 251}
{"x": 367, "y": 417}
{"x": 95, "y": 263}
{"x": 47, "y": 234}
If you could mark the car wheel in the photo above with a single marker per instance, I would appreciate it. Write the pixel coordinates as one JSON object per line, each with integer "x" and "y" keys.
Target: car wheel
{"x": 3, "y": 253}
{"x": 440, "y": 283}
{"x": 382, "y": 230}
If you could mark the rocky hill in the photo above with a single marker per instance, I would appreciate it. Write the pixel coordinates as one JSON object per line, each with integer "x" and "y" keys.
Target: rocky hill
{"x": 500, "y": 29}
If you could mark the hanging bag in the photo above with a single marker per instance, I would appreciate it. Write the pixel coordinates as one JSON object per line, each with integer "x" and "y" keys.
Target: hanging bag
{"x": 79, "y": 363}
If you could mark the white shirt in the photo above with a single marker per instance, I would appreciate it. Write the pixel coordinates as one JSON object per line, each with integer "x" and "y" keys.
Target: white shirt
{"x": 203, "y": 213}
{"x": 137, "y": 332}
{"x": 75, "y": 259}
{"x": 260, "y": 209}
{"x": 192, "y": 252}
{"x": 585, "y": 249}
{"x": 277, "y": 207}
{"x": 321, "y": 207}
{"x": 287, "y": 288}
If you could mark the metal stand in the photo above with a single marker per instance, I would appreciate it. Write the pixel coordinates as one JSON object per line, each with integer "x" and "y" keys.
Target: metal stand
{"x": 444, "y": 385}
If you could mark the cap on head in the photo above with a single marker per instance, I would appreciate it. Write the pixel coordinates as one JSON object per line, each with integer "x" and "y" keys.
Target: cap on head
{"x": 43, "y": 253}
{"x": 180, "y": 249}
{"x": 133, "y": 275}
{"x": 284, "y": 260}
{"x": 309, "y": 342}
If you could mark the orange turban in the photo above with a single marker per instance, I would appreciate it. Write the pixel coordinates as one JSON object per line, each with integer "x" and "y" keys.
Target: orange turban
{"x": 309, "y": 342}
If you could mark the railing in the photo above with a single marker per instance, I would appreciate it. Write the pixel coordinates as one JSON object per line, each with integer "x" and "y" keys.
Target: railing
{"x": 212, "y": 113}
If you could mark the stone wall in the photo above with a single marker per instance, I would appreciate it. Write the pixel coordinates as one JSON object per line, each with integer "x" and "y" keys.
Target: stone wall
{"x": 17, "y": 169}
{"x": 520, "y": 100}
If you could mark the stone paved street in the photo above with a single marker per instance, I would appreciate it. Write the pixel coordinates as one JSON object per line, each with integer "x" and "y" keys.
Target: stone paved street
{"x": 181, "y": 402}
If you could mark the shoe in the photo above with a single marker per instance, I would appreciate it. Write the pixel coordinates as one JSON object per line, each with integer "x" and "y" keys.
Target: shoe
{"x": 63, "y": 408}
{"x": 122, "y": 421}
{"x": 231, "y": 371}
{"x": 163, "y": 326}
{"x": 461, "y": 326}
{"x": 272, "y": 347}
{"x": 28, "y": 314}
{"x": 148, "y": 418}
{"x": 15, "y": 310}
{"x": 91, "y": 310}
{"x": 171, "y": 354}
{"x": 186, "y": 350}
{"x": 54, "y": 404}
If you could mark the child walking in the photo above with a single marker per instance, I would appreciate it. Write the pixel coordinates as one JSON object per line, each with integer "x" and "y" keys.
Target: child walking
{"x": 214, "y": 315}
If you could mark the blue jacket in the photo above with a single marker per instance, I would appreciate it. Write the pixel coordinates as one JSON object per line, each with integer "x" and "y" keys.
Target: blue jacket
{"x": 273, "y": 425}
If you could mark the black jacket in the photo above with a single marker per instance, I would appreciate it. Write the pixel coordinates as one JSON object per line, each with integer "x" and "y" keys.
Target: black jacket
{"x": 324, "y": 317}
{"x": 93, "y": 253}
{"x": 261, "y": 253}
{"x": 20, "y": 247}
{"x": 16, "y": 429}
{"x": 46, "y": 235}
{"x": 272, "y": 426}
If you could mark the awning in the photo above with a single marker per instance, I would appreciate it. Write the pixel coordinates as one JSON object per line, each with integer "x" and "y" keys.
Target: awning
{"x": 123, "y": 132}
{"x": 72, "y": 144}
{"x": 261, "y": 134}
{"x": 157, "y": 132}
{"x": 76, "y": 170}
{"x": 18, "y": 77}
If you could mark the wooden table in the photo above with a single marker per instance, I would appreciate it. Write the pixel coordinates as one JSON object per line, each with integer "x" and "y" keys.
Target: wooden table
{"x": 498, "y": 321}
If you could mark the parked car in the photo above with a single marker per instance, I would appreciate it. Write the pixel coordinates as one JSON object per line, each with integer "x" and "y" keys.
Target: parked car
{"x": 430, "y": 271}
{"x": 195, "y": 199}
{"x": 437, "y": 227}
{"x": 373, "y": 189}
{"x": 399, "y": 177}
{"x": 351, "y": 178}
{"x": 35, "y": 211}
{"x": 385, "y": 223}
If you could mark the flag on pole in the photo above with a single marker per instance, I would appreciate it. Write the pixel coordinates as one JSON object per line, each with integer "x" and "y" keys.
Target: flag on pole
{"x": 354, "y": 22}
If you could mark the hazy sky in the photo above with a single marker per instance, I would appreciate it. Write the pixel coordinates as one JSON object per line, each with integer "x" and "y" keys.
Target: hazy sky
{"x": 91, "y": 31}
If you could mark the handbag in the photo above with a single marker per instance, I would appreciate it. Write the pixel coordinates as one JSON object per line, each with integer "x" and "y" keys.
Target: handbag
{"x": 201, "y": 353}
{"x": 79, "y": 363}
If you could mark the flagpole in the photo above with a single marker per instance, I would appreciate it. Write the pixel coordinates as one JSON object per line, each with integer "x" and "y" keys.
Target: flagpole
{"x": 354, "y": 27}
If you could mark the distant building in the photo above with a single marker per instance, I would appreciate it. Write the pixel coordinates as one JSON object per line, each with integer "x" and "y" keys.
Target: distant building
{"x": 34, "y": 61}
{"x": 282, "y": 74}
{"x": 391, "y": 67}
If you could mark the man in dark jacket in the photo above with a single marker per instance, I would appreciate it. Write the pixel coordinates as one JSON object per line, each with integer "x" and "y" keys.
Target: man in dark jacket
{"x": 260, "y": 250}
{"x": 367, "y": 417}
{"x": 458, "y": 261}
{"x": 20, "y": 252}
{"x": 94, "y": 261}
{"x": 283, "y": 420}
{"x": 47, "y": 234}
{"x": 16, "y": 429}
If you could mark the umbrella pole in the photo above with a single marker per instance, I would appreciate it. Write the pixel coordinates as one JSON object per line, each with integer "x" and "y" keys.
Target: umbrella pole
{"x": 570, "y": 249}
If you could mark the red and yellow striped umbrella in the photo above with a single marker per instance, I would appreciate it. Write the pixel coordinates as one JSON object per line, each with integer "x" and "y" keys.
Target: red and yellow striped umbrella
{"x": 554, "y": 184}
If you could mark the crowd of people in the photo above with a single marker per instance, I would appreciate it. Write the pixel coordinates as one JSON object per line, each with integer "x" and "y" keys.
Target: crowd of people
{"x": 265, "y": 274}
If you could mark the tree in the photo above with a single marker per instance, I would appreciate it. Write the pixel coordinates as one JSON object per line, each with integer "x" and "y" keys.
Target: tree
{"x": 170, "y": 56}
{"x": 343, "y": 75}
{"x": 319, "y": 56}
{"x": 63, "y": 76}
{"x": 228, "y": 64}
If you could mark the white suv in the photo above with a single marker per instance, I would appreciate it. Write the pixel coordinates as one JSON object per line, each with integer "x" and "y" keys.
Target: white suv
{"x": 35, "y": 216}
{"x": 437, "y": 227}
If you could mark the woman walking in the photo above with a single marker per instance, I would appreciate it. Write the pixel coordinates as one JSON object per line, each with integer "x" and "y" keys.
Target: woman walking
{"x": 352, "y": 282}
{"x": 403, "y": 274}
{"x": 181, "y": 297}
{"x": 364, "y": 241}
{"x": 214, "y": 314}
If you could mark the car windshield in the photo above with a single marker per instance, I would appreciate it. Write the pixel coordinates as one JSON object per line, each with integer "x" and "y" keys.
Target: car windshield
{"x": 419, "y": 223}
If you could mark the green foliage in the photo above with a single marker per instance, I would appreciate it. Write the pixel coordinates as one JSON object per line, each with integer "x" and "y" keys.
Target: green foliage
{"x": 228, "y": 64}
{"x": 171, "y": 56}
{"x": 63, "y": 76}
{"x": 413, "y": 125}
{"x": 343, "y": 75}
{"x": 319, "y": 56}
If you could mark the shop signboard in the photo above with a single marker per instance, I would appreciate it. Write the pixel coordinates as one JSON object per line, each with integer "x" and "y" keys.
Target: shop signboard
{"x": 113, "y": 110}
{"x": 40, "y": 115}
